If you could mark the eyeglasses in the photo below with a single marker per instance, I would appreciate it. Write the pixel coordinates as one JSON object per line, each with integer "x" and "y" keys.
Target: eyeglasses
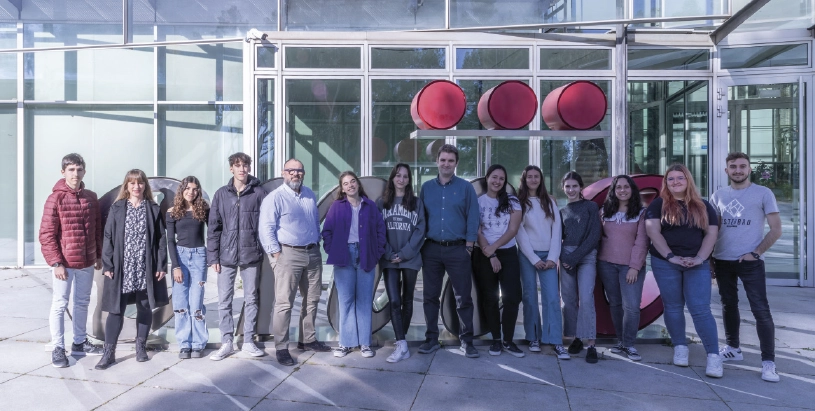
{"x": 677, "y": 178}
{"x": 294, "y": 170}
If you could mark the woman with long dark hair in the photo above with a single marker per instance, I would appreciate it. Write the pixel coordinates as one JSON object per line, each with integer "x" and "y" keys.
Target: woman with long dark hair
{"x": 621, "y": 260}
{"x": 581, "y": 233}
{"x": 403, "y": 213}
{"x": 497, "y": 272}
{"x": 354, "y": 239}
{"x": 134, "y": 260}
{"x": 683, "y": 229}
{"x": 539, "y": 237}
{"x": 186, "y": 229}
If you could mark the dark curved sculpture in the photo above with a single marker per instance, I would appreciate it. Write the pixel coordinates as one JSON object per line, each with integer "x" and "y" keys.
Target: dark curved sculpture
{"x": 651, "y": 306}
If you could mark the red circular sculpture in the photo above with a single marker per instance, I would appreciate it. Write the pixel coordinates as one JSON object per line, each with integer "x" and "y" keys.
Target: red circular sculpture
{"x": 510, "y": 105}
{"x": 651, "y": 305}
{"x": 580, "y": 105}
{"x": 439, "y": 105}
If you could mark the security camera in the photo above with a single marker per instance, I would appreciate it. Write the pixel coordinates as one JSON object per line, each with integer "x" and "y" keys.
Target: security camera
{"x": 255, "y": 34}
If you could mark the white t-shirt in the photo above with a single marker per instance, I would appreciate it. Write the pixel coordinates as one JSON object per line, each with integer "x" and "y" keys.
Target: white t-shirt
{"x": 492, "y": 226}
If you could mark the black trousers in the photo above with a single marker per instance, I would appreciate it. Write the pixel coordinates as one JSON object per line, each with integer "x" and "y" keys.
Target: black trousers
{"x": 400, "y": 283}
{"x": 455, "y": 260}
{"x": 755, "y": 286}
{"x": 144, "y": 317}
{"x": 504, "y": 285}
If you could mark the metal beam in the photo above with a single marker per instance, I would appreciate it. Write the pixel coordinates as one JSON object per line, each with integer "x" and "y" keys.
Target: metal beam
{"x": 607, "y": 23}
{"x": 619, "y": 141}
{"x": 736, "y": 20}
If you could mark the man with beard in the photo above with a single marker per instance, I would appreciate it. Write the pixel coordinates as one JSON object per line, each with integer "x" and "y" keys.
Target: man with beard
{"x": 290, "y": 234}
{"x": 738, "y": 254}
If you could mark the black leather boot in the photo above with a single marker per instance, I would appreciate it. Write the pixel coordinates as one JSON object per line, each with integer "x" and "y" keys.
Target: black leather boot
{"x": 141, "y": 350}
{"x": 108, "y": 357}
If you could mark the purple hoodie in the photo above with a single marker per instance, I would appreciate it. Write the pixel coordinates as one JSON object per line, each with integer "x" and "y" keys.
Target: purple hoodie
{"x": 337, "y": 226}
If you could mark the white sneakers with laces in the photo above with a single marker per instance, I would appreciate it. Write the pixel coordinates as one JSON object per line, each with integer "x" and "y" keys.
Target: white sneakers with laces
{"x": 681, "y": 355}
{"x": 729, "y": 353}
{"x": 768, "y": 372}
{"x": 400, "y": 352}
{"x": 714, "y": 367}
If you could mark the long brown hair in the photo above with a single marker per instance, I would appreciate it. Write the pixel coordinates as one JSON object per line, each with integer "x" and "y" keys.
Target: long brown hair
{"x": 672, "y": 211}
{"x": 137, "y": 175}
{"x": 543, "y": 196}
{"x": 408, "y": 200}
{"x": 180, "y": 205}
{"x": 341, "y": 194}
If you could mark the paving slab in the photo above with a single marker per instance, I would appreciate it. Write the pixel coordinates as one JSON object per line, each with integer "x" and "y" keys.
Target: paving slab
{"x": 7, "y": 274}
{"x": 247, "y": 378}
{"x": 350, "y": 387}
{"x": 280, "y": 405}
{"x": 743, "y": 385}
{"x": 601, "y": 399}
{"x": 455, "y": 393}
{"x": 22, "y": 282}
{"x": 737, "y": 406}
{"x": 31, "y": 302}
{"x": 793, "y": 361}
{"x": 20, "y": 357}
{"x": 150, "y": 398}
{"x": 664, "y": 354}
{"x": 417, "y": 363}
{"x": 534, "y": 368}
{"x": 6, "y": 376}
{"x": 42, "y": 335}
{"x": 14, "y": 326}
{"x": 27, "y": 392}
{"x": 126, "y": 371}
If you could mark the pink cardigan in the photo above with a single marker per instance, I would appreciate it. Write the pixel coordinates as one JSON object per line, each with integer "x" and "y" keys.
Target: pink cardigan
{"x": 624, "y": 241}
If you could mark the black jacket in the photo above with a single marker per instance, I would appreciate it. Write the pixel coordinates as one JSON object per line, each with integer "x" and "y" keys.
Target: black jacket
{"x": 232, "y": 231}
{"x": 113, "y": 249}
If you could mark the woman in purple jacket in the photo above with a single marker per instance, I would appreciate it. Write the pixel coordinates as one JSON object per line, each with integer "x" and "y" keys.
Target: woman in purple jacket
{"x": 354, "y": 239}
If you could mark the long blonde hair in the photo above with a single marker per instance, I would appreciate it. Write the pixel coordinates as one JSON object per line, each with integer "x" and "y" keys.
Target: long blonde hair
{"x": 671, "y": 210}
{"x": 138, "y": 175}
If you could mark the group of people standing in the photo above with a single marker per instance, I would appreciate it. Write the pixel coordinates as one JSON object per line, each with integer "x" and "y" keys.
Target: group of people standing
{"x": 502, "y": 243}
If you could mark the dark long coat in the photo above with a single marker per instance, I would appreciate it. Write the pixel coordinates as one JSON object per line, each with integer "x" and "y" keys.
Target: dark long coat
{"x": 113, "y": 249}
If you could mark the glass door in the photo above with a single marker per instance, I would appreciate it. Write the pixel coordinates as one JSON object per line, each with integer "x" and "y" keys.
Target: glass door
{"x": 764, "y": 120}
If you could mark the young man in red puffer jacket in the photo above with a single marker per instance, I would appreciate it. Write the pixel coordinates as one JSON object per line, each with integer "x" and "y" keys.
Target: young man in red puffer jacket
{"x": 71, "y": 239}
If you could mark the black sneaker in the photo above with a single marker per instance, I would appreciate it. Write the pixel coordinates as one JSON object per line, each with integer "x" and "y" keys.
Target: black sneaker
{"x": 58, "y": 358}
{"x": 513, "y": 349}
{"x": 316, "y": 346}
{"x": 185, "y": 354}
{"x": 576, "y": 346}
{"x": 468, "y": 350}
{"x": 284, "y": 358}
{"x": 85, "y": 348}
{"x": 429, "y": 346}
{"x": 591, "y": 355}
{"x": 495, "y": 348}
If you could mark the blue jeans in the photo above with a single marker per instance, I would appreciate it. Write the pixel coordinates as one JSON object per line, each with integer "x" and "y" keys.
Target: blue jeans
{"x": 355, "y": 293}
{"x": 188, "y": 296}
{"x": 623, "y": 299}
{"x": 577, "y": 290}
{"x": 552, "y": 330}
{"x": 679, "y": 286}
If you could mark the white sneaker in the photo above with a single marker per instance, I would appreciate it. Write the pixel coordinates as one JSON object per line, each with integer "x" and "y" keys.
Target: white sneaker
{"x": 250, "y": 348}
{"x": 366, "y": 351}
{"x": 714, "y": 366}
{"x": 401, "y": 352}
{"x": 729, "y": 353}
{"x": 225, "y": 351}
{"x": 768, "y": 372}
{"x": 341, "y": 351}
{"x": 681, "y": 355}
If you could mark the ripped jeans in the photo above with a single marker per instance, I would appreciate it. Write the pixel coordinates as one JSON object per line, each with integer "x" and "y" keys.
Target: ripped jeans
{"x": 188, "y": 297}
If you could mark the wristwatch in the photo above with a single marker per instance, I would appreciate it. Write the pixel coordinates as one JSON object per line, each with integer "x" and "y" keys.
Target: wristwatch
{"x": 669, "y": 256}
{"x": 755, "y": 255}
{"x": 55, "y": 265}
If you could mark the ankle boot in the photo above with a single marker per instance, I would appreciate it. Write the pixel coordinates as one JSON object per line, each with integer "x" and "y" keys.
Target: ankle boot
{"x": 141, "y": 350}
{"x": 108, "y": 357}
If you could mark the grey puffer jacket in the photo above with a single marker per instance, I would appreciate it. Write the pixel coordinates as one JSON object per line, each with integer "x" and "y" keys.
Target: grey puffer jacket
{"x": 232, "y": 231}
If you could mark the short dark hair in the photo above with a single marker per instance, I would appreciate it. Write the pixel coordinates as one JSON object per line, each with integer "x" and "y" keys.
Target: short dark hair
{"x": 735, "y": 156}
{"x": 447, "y": 148}
{"x": 74, "y": 159}
{"x": 239, "y": 157}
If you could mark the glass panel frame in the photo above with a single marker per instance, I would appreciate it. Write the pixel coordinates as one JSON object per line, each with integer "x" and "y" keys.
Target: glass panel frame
{"x": 687, "y": 59}
{"x": 772, "y": 50}
{"x": 459, "y": 61}
{"x": 445, "y": 59}
{"x": 583, "y": 53}
{"x": 324, "y": 53}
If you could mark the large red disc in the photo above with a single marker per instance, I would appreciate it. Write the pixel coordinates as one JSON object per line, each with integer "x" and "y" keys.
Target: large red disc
{"x": 580, "y": 105}
{"x": 510, "y": 105}
{"x": 439, "y": 105}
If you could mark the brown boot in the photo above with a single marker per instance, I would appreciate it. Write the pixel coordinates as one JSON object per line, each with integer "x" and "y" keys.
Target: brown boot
{"x": 141, "y": 350}
{"x": 108, "y": 357}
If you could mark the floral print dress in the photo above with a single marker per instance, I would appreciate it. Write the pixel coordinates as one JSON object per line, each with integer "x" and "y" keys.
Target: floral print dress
{"x": 135, "y": 266}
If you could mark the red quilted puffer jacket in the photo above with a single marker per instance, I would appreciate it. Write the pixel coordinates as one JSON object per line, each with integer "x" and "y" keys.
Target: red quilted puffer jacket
{"x": 71, "y": 229}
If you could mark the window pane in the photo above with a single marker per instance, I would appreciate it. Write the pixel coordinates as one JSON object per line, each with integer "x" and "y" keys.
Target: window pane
{"x": 575, "y": 59}
{"x": 492, "y": 59}
{"x": 220, "y": 18}
{"x": 8, "y": 185}
{"x": 96, "y": 11}
{"x": 679, "y": 59}
{"x": 196, "y": 140}
{"x": 266, "y": 127}
{"x": 112, "y": 139}
{"x": 479, "y": 13}
{"x": 324, "y": 57}
{"x": 360, "y": 15}
{"x": 402, "y": 58}
{"x": 8, "y": 62}
{"x": 764, "y": 56}
{"x": 323, "y": 128}
{"x": 201, "y": 72}
{"x": 266, "y": 57}
{"x": 80, "y": 34}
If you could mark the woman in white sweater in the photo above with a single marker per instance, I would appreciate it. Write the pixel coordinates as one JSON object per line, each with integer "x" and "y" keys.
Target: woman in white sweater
{"x": 539, "y": 240}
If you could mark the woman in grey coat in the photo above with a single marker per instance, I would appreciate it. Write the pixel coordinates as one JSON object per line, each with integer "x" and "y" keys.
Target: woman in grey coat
{"x": 134, "y": 260}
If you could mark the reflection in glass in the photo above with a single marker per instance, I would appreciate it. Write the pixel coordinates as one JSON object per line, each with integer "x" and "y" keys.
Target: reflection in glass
{"x": 266, "y": 56}
{"x": 323, "y": 128}
{"x": 764, "y": 123}
{"x": 8, "y": 62}
{"x": 112, "y": 139}
{"x": 478, "y": 13}
{"x": 575, "y": 59}
{"x": 201, "y": 72}
{"x": 407, "y": 58}
{"x": 323, "y": 57}
{"x": 218, "y": 18}
{"x": 764, "y": 56}
{"x": 667, "y": 124}
{"x": 668, "y": 59}
{"x": 776, "y": 15}
{"x": 196, "y": 140}
{"x": 8, "y": 185}
{"x": 265, "y": 125}
{"x": 362, "y": 15}
{"x": 492, "y": 59}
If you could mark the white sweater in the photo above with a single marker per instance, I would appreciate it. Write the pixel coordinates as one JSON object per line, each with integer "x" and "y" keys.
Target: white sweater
{"x": 539, "y": 233}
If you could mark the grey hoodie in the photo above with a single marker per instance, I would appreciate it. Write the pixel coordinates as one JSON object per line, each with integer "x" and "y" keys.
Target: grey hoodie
{"x": 405, "y": 231}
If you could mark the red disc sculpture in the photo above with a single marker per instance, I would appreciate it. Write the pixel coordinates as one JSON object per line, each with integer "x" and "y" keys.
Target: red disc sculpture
{"x": 510, "y": 105}
{"x": 580, "y": 105}
{"x": 439, "y": 105}
{"x": 651, "y": 305}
